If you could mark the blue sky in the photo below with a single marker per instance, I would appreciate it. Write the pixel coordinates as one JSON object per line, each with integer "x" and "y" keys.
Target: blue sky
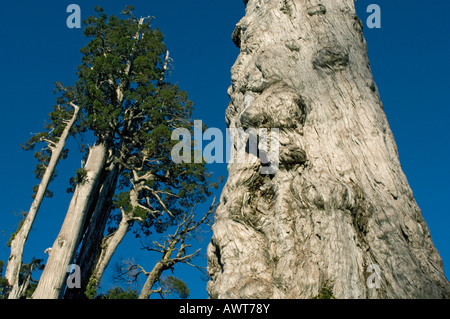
{"x": 409, "y": 59}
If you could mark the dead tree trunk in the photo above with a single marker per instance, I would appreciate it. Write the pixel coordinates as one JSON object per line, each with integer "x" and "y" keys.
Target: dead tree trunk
{"x": 52, "y": 282}
{"x": 18, "y": 243}
{"x": 339, "y": 209}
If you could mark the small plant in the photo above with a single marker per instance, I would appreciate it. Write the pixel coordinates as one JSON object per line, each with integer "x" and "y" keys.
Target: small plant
{"x": 326, "y": 292}
{"x": 91, "y": 289}
{"x": 80, "y": 178}
{"x": 22, "y": 216}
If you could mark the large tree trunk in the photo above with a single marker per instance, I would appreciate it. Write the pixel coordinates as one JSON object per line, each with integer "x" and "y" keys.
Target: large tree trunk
{"x": 52, "y": 282}
{"x": 95, "y": 229}
{"x": 18, "y": 243}
{"x": 339, "y": 206}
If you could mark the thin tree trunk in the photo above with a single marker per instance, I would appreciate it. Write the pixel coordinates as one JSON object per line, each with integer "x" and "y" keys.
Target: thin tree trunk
{"x": 339, "y": 209}
{"x": 151, "y": 280}
{"x": 109, "y": 246}
{"x": 18, "y": 243}
{"x": 52, "y": 282}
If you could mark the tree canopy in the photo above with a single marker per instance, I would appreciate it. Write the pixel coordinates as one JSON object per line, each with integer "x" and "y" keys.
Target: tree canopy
{"x": 123, "y": 98}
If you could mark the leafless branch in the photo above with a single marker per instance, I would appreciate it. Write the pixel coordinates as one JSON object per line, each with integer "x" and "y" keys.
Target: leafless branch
{"x": 174, "y": 249}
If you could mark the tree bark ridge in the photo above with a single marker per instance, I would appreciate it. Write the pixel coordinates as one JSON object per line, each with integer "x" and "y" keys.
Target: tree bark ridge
{"x": 52, "y": 282}
{"x": 340, "y": 201}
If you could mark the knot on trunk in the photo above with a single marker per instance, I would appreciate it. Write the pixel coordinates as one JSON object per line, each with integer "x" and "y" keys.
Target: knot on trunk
{"x": 332, "y": 57}
{"x": 315, "y": 10}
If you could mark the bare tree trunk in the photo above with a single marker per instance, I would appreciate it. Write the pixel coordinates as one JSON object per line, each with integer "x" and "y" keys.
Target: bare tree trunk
{"x": 52, "y": 282}
{"x": 18, "y": 243}
{"x": 109, "y": 246}
{"x": 102, "y": 249}
{"x": 91, "y": 244}
{"x": 151, "y": 280}
{"x": 339, "y": 209}
{"x": 169, "y": 248}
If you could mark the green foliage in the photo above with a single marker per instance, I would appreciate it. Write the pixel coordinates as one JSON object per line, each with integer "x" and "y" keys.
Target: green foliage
{"x": 81, "y": 175}
{"x": 24, "y": 274}
{"x": 22, "y": 216}
{"x": 115, "y": 57}
{"x": 27, "y": 269}
{"x": 79, "y": 178}
{"x": 127, "y": 104}
{"x": 4, "y": 287}
{"x": 120, "y": 293}
{"x": 91, "y": 289}
{"x": 57, "y": 122}
{"x": 126, "y": 55}
{"x": 175, "y": 286}
{"x": 326, "y": 292}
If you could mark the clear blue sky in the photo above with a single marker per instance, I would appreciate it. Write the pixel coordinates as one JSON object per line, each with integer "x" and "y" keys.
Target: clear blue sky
{"x": 409, "y": 58}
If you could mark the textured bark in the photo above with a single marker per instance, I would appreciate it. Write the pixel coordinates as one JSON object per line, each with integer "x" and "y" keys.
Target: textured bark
{"x": 340, "y": 201}
{"x": 95, "y": 228}
{"x": 109, "y": 245}
{"x": 52, "y": 282}
{"x": 151, "y": 280}
{"x": 18, "y": 243}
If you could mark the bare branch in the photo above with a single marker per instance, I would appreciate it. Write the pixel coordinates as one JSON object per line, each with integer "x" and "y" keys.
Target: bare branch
{"x": 161, "y": 202}
{"x": 186, "y": 257}
{"x": 75, "y": 107}
{"x": 169, "y": 248}
{"x": 128, "y": 216}
{"x": 50, "y": 143}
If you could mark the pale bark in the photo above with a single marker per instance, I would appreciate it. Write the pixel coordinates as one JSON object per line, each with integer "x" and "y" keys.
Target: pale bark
{"x": 52, "y": 282}
{"x": 152, "y": 279}
{"x": 18, "y": 243}
{"x": 340, "y": 201}
{"x": 96, "y": 224}
{"x": 78, "y": 218}
{"x": 95, "y": 257}
{"x": 174, "y": 245}
{"x": 110, "y": 244}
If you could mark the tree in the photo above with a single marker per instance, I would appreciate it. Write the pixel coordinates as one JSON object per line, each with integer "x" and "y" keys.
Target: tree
{"x": 55, "y": 137}
{"x": 326, "y": 292}
{"x": 132, "y": 110}
{"x": 173, "y": 250}
{"x": 25, "y": 282}
{"x": 173, "y": 285}
{"x": 119, "y": 293}
{"x": 4, "y": 285}
{"x": 339, "y": 201}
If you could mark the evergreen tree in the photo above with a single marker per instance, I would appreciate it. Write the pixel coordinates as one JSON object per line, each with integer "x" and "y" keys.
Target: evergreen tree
{"x": 127, "y": 103}
{"x": 55, "y": 135}
{"x": 119, "y": 293}
{"x": 175, "y": 286}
